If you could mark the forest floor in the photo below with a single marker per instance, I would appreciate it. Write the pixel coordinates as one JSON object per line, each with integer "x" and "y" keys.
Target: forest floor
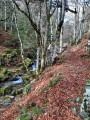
{"x": 73, "y": 66}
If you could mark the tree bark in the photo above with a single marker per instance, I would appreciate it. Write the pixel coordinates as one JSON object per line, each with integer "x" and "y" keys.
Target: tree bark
{"x": 5, "y": 15}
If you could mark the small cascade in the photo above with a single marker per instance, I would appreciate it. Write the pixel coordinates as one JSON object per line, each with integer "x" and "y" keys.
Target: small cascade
{"x": 18, "y": 81}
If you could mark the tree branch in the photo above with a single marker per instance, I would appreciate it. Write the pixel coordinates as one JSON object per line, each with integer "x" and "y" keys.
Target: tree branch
{"x": 28, "y": 16}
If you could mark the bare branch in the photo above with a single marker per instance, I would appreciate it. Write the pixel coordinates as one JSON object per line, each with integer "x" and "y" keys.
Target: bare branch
{"x": 28, "y": 16}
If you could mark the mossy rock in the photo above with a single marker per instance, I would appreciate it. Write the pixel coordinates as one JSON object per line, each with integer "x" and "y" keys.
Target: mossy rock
{"x": 22, "y": 69}
{"x": 26, "y": 79}
{"x": 8, "y": 56}
{"x": 4, "y": 54}
{"x": 2, "y": 77}
{"x": 5, "y": 71}
{"x": 19, "y": 91}
{"x": 6, "y": 90}
{"x": 28, "y": 62}
{"x": 7, "y": 100}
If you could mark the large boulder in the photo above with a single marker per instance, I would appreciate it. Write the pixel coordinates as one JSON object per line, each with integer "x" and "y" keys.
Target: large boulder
{"x": 6, "y": 90}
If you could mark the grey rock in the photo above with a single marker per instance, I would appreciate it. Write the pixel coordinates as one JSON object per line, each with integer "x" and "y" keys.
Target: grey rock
{"x": 74, "y": 110}
{"x": 84, "y": 115}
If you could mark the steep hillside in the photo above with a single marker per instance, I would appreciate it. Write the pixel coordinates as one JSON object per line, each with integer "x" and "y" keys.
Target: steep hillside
{"x": 59, "y": 89}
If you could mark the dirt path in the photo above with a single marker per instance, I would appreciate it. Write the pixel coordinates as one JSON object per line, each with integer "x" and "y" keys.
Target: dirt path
{"x": 74, "y": 72}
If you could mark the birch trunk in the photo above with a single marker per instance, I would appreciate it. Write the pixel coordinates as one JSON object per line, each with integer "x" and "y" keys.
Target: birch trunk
{"x": 37, "y": 63}
{"x": 21, "y": 45}
{"x": 12, "y": 22}
{"x": 61, "y": 41}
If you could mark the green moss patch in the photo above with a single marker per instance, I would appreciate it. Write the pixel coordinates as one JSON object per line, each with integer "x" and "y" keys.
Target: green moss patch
{"x": 6, "y": 90}
{"x": 28, "y": 115}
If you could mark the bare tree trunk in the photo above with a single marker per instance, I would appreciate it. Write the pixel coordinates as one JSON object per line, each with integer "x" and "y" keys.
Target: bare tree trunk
{"x": 44, "y": 47}
{"x": 5, "y": 15}
{"x": 12, "y": 22}
{"x": 21, "y": 45}
{"x": 55, "y": 47}
{"x": 76, "y": 22}
{"x": 61, "y": 39}
{"x": 37, "y": 64}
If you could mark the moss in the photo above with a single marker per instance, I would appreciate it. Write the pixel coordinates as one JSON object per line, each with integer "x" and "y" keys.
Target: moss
{"x": 28, "y": 115}
{"x": 1, "y": 77}
{"x": 46, "y": 89}
{"x": 33, "y": 75}
{"x": 88, "y": 81}
{"x": 33, "y": 104}
{"x": 22, "y": 68}
{"x": 7, "y": 99}
{"x": 5, "y": 71}
{"x": 8, "y": 51}
{"x": 27, "y": 89}
{"x": 28, "y": 62}
{"x": 45, "y": 101}
{"x": 88, "y": 59}
{"x": 26, "y": 79}
{"x": 83, "y": 55}
{"x": 2, "y": 91}
{"x": 54, "y": 81}
{"x": 4, "y": 54}
{"x": 6, "y": 90}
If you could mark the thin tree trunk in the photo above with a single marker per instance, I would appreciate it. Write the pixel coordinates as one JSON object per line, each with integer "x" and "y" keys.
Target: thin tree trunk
{"x": 76, "y": 22}
{"x": 21, "y": 45}
{"x": 37, "y": 63}
{"x": 55, "y": 47}
{"x": 12, "y": 22}
{"x": 5, "y": 15}
{"x": 61, "y": 39}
